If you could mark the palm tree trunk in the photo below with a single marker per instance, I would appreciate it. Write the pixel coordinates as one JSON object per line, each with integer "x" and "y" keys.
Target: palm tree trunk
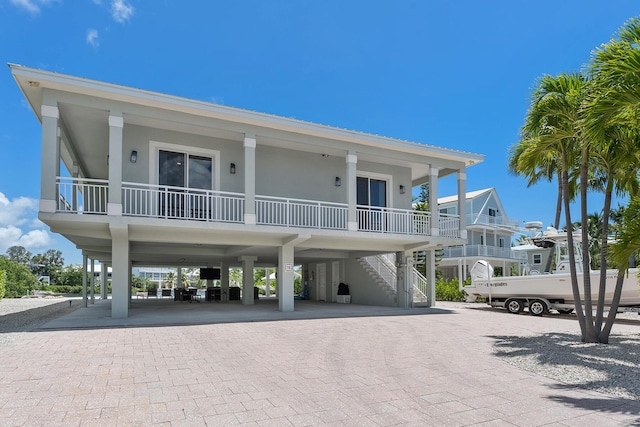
{"x": 611, "y": 317}
{"x": 586, "y": 265}
{"x": 572, "y": 255}
{"x": 606, "y": 210}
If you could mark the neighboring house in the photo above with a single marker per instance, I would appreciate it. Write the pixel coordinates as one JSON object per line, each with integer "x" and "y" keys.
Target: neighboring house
{"x": 154, "y": 179}
{"x": 157, "y": 275}
{"x": 489, "y": 234}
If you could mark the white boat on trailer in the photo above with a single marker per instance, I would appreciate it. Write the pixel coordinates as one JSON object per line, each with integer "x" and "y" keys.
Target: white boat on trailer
{"x": 543, "y": 292}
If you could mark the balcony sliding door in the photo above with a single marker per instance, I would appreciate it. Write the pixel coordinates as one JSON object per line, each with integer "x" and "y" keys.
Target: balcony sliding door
{"x": 175, "y": 169}
{"x": 371, "y": 197}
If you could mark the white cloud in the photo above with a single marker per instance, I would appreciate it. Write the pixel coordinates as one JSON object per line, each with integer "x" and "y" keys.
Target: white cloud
{"x": 31, "y": 6}
{"x": 19, "y": 225}
{"x": 12, "y": 212}
{"x": 92, "y": 37}
{"x": 121, "y": 11}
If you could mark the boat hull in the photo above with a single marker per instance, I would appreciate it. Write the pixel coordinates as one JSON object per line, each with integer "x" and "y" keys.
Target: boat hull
{"x": 556, "y": 287}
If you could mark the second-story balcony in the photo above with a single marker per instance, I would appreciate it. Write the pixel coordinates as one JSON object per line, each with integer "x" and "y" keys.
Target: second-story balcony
{"x": 90, "y": 197}
{"x": 490, "y": 220}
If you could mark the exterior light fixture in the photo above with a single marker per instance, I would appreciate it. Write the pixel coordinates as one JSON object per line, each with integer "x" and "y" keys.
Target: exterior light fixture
{"x": 338, "y": 181}
{"x": 232, "y": 168}
{"x": 402, "y": 189}
{"x": 134, "y": 156}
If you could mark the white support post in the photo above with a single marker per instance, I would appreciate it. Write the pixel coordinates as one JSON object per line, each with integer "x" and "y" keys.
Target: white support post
{"x": 92, "y": 282}
{"x": 430, "y": 260}
{"x": 224, "y": 282}
{"x": 285, "y": 278}
{"x": 462, "y": 202}
{"x": 247, "y": 279}
{"x": 50, "y": 159}
{"x": 179, "y": 278}
{"x": 352, "y": 191}
{"x": 84, "y": 280}
{"x": 433, "y": 201}
{"x": 267, "y": 283}
{"x": 105, "y": 282}
{"x": 250, "y": 179}
{"x": 120, "y": 289}
{"x": 116, "y": 123}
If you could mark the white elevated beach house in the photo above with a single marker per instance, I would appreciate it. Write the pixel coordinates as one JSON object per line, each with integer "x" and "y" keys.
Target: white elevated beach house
{"x": 489, "y": 235}
{"x": 158, "y": 180}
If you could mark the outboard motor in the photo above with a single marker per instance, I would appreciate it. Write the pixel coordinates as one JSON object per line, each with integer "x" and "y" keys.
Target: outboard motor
{"x": 481, "y": 270}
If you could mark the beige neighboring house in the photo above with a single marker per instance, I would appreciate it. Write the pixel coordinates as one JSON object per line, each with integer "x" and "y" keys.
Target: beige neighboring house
{"x": 489, "y": 235}
{"x": 138, "y": 178}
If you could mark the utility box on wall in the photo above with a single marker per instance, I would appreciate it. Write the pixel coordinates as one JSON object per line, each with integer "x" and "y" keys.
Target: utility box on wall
{"x": 343, "y": 299}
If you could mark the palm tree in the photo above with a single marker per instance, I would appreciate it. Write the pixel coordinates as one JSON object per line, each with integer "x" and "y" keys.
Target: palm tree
{"x": 550, "y": 143}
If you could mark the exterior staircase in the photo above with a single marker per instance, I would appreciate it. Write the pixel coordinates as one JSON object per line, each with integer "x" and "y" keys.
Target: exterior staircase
{"x": 382, "y": 269}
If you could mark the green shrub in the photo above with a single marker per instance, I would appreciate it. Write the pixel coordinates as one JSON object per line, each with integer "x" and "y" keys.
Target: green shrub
{"x": 63, "y": 289}
{"x": 447, "y": 290}
{"x": 3, "y": 283}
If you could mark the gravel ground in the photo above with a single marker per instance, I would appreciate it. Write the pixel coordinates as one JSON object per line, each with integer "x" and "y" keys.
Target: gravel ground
{"x": 613, "y": 369}
{"x": 21, "y": 315}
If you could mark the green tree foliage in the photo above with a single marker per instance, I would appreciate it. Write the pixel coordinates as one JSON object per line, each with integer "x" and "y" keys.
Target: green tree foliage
{"x": 448, "y": 290}
{"x": 19, "y": 279}
{"x": 19, "y": 254}
{"x": 3, "y": 283}
{"x": 70, "y": 275}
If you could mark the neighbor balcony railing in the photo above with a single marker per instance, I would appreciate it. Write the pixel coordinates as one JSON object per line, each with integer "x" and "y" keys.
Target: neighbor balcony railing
{"x": 481, "y": 250}
{"x": 160, "y": 201}
{"x": 475, "y": 219}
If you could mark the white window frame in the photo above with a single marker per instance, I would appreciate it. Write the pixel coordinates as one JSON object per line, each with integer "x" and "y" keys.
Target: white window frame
{"x": 381, "y": 177}
{"x": 537, "y": 257}
{"x": 156, "y": 146}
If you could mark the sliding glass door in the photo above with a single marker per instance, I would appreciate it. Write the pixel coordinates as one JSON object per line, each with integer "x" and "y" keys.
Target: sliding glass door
{"x": 175, "y": 169}
{"x": 371, "y": 197}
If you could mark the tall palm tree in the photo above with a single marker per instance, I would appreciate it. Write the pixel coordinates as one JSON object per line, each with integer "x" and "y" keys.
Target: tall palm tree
{"x": 551, "y": 137}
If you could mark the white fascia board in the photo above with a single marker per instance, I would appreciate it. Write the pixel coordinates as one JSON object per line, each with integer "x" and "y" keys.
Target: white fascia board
{"x": 139, "y": 96}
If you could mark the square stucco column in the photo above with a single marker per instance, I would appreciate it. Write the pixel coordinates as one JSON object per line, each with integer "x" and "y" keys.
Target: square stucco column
{"x": 250, "y": 179}
{"x": 116, "y": 123}
{"x": 285, "y": 278}
{"x": 120, "y": 293}
{"x": 247, "y": 279}
{"x": 352, "y": 192}
{"x": 462, "y": 202}
{"x": 430, "y": 262}
{"x": 50, "y": 159}
{"x": 84, "y": 280}
{"x": 224, "y": 281}
{"x": 104, "y": 275}
{"x": 433, "y": 201}
{"x": 404, "y": 275}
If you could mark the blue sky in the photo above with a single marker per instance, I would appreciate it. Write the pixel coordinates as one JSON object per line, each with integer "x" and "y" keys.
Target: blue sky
{"x": 456, "y": 74}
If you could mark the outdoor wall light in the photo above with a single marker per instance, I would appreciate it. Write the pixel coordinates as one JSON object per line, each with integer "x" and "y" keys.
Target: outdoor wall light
{"x": 402, "y": 189}
{"x": 134, "y": 156}
{"x": 232, "y": 168}
{"x": 338, "y": 181}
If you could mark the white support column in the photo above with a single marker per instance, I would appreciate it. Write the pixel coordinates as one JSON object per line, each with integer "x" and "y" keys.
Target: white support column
{"x": 92, "y": 282}
{"x": 267, "y": 283}
{"x": 84, "y": 280}
{"x": 116, "y": 123}
{"x": 247, "y": 279}
{"x": 352, "y": 191}
{"x": 433, "y": 201}
{"x": 105, "y": 282}
{"x": 249, "y": 179}
{"x": 50, "y": 159}
{"x": 404, "y": 277}
{"x": 179, "y": 279}
{"x": 430, "y": 260}
{"x": 285, "y": 278}
{"x": 462, "y": 202}
{"x": 120, "y": 291}
{"x": 224, "y": 281}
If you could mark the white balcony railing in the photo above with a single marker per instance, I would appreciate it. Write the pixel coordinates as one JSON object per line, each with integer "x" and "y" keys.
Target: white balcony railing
{"x": 181, "y": 203}
{"x": 82, "y": 196}
{"x": 300, "y": 213}
{"x": 476, "y": 219}
{"x": 390, "y": 220}
{"x": 90, "y": 196}
{"x": 482, "y": 250}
